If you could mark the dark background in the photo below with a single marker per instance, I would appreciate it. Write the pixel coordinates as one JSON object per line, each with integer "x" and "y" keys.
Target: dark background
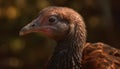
{"x": 102, "y": 18}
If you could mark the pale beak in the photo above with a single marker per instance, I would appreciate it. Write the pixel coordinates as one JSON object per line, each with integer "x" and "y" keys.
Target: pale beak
{"x": 29, "y": 28}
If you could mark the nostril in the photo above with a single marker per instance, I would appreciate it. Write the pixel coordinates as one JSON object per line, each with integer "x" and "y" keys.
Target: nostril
{"x": 33, "y": 25}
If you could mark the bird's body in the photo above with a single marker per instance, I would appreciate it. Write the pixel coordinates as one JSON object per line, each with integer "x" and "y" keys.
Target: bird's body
{"x": 67, "y": 28}
{"x": 100, "y": 56}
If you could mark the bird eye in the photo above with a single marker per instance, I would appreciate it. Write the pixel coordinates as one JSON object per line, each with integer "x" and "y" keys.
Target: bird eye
{"x": 53, "y": 19}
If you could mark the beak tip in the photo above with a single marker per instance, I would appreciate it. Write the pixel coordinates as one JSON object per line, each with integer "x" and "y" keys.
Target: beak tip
{"x": 21, "y": 33}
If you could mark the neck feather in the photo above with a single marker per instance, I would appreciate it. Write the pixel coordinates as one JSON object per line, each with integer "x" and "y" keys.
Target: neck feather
{"x": 68, "y": 52}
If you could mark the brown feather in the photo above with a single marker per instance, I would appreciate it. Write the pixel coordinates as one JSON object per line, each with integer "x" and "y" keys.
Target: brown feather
{"x": 100, "y": 56}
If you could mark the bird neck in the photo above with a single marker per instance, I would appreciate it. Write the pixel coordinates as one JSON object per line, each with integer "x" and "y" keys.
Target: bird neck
{"x": 68, "y": 52}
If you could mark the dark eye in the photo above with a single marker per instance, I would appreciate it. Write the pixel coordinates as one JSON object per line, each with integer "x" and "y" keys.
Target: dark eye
{"x": 53, "y": 19}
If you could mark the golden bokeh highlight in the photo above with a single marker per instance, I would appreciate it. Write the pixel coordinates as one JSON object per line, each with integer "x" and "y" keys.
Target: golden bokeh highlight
{"x": 42, "y": 3}
{"x": 16, "y": 45}
{"x": 12, "y": 12}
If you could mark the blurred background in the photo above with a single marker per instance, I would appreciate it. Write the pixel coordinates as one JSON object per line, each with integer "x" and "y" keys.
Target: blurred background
{"x": 102, "y": 18}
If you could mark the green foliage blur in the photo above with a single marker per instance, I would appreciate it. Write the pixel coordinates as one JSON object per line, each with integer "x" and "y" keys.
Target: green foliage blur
{"x": 102, "y": 18}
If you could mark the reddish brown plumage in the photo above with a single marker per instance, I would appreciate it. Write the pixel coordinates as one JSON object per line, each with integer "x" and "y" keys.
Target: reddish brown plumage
{"x": 68, "y": 29}
{"x": 100, "y": 56}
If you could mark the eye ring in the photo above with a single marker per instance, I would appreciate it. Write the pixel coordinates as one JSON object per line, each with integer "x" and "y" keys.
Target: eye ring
{"x": 52, "y": 19}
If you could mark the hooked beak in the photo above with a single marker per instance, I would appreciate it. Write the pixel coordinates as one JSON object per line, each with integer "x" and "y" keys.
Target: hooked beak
{"x": 35, "y": 26}
{"x": 31, "y": 27}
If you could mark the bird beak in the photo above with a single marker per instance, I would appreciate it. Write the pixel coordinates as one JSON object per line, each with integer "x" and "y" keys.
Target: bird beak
{"x": 31, "y": 27}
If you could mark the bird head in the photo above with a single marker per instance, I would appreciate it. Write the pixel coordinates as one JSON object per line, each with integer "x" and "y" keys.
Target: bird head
{"x": 54, "y": 22}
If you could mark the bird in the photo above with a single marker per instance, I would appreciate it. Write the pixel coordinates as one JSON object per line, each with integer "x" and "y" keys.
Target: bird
{"x": 67, "y": 27}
